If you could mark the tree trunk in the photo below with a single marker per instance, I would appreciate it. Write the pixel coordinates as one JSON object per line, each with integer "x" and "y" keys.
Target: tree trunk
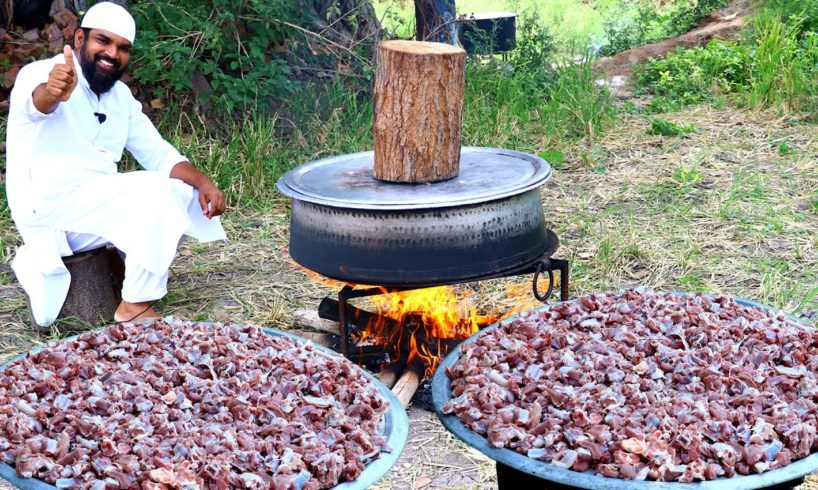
{"x": 94, "y": 291}
{"x": 418, "y": 111}
{"x": 434, "y": 21}
{"x": 348, "y": 23}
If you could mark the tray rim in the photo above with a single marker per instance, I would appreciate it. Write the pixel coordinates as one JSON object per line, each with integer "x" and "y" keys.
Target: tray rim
{"x": 441, "y": 393}
{"x": 395, "y": 422}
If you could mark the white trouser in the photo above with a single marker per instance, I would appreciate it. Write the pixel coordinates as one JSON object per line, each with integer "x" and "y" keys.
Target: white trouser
{"x": 139, "y": 285}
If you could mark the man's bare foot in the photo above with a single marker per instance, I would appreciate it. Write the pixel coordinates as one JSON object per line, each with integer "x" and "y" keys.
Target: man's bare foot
{"x": 129, "y": 312}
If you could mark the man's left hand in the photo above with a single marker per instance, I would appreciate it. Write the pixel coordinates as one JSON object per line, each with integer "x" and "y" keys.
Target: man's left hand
{"x": 211, "y": 199}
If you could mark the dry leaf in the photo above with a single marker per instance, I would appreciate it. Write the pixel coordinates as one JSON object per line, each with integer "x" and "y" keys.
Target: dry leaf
{"x": 421, "y": 482}
{"x": 157, "y": 104}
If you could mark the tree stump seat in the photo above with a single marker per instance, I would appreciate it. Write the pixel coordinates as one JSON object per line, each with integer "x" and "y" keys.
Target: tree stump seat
{"x": 94, "y": 293}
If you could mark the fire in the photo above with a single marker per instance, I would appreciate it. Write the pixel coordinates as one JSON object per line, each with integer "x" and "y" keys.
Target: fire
{"x": 439, "y": 309}
{"x": 431, "y": 316}
{"x": 425, "y": 323}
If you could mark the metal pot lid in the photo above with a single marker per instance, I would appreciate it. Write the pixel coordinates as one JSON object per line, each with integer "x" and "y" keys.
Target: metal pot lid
{"x": 346, "y": 181}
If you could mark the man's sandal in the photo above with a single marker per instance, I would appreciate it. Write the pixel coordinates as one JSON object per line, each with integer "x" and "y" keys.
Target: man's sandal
{"x": 136, "y": 317}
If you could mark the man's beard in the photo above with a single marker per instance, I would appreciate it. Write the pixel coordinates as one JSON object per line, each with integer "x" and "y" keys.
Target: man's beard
{"x": 100, "y": 81}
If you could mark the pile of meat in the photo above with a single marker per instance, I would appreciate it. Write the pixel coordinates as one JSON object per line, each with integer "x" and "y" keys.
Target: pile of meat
{"x": 644, "y": 385}
{"x": 184, "y": 405}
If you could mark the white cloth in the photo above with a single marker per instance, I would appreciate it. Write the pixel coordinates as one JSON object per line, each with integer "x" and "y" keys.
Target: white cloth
{"x": 62, "y": 176}
{"x": 140, "y": 284}
{"x": 112, "y": 18}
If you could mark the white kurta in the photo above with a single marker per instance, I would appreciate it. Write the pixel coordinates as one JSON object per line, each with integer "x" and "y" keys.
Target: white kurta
{"x": 62, "y": 176}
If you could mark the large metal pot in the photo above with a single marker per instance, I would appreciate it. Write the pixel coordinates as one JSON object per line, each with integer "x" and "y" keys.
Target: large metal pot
{"x": 351, "y": 227}
{"x": 488, "y": 32}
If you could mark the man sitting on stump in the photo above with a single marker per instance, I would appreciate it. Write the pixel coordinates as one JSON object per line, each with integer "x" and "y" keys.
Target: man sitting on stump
{"x": 69, "y": 121}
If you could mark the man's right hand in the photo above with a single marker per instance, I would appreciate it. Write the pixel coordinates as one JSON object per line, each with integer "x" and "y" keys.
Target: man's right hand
{"x": 61, "y": 83}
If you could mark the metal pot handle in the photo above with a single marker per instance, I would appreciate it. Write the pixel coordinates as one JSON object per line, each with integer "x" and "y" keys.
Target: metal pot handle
{"x": 544, "y": 265}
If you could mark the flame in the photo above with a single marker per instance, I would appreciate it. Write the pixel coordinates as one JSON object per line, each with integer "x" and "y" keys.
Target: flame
{"x": 434, "y": 318}
{"x": 431, "y": 316}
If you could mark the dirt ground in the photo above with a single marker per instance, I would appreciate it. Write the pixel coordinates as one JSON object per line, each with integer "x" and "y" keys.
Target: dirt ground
{"x": 732, "y": 207}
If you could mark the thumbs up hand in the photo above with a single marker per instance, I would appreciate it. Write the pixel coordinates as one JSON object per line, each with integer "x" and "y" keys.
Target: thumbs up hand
{"x": 62, "y": 80}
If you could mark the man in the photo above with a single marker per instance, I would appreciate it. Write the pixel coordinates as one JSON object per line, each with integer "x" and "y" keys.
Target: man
{"x": 69, "y": 121}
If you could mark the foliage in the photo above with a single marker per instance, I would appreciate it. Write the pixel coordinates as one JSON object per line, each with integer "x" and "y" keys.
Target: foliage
{"x": 776, "y": 66}
{"x": 579, "y": 105}
{"x": 534, "y": 53}
{"x": 785, "y": 67}
{"x": 642, "y": 22}
{"x": 661, "y": 127}
{"x": 803, "y": 13}
{"x": 233, "y": 49}
{"x": 691, "y": 76}
{"x": 624, "y": 32}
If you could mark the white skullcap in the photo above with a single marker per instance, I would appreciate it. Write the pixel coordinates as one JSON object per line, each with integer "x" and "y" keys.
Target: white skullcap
{"x": 112, "y": 18}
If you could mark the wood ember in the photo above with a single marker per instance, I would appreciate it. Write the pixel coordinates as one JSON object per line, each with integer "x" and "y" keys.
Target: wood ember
{"x": 186, "y": 405}
{"x": 645, "y": 386}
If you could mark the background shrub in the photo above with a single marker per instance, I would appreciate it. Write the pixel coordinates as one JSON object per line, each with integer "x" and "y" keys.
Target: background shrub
{"x": 232, "y": 55}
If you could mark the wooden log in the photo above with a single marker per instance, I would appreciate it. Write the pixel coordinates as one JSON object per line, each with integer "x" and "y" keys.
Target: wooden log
{"x": 328, "y": 309}
{"x": 390, "y": 374}
{"x": 309, "y": 319}
{"x": 418, "y": 104}
{"x": 320, "y": 338}
{"x": 409, "y": 381}
{"x": 92, "y": 298}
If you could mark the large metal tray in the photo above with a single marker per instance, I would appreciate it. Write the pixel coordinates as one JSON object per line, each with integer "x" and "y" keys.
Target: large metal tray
{"x": 395, "y": 426}
{"x": 346, "y": 181}
{"x": 442, "y": 391}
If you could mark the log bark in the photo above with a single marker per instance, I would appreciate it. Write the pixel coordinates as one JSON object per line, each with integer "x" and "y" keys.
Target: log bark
{"x": 310, "y": 319}
{"x": 418, "y": 111}
{"x": 359, "y": 319}
{"x": 390, "y": 374}
{"x": 327, "y": 340}
{"x": 92, "y": 297}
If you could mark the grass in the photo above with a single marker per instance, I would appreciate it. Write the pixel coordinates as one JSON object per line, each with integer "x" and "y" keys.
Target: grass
{"x": 774, "y": 66}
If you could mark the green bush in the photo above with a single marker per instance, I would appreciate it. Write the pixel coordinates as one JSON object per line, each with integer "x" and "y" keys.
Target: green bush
{"x": 803, "y": 13}
{"x": 232, "y": 49}
{"x": 691, "y": 76}
{"x": 661, "y": 127}
{"x": 777, "y": 66}
{"x": 579, "y": 106}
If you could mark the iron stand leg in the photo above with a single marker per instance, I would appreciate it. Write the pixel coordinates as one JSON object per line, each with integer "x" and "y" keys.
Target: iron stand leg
{"x": 343, "y": 296}
{"x": 562, "y": 265}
